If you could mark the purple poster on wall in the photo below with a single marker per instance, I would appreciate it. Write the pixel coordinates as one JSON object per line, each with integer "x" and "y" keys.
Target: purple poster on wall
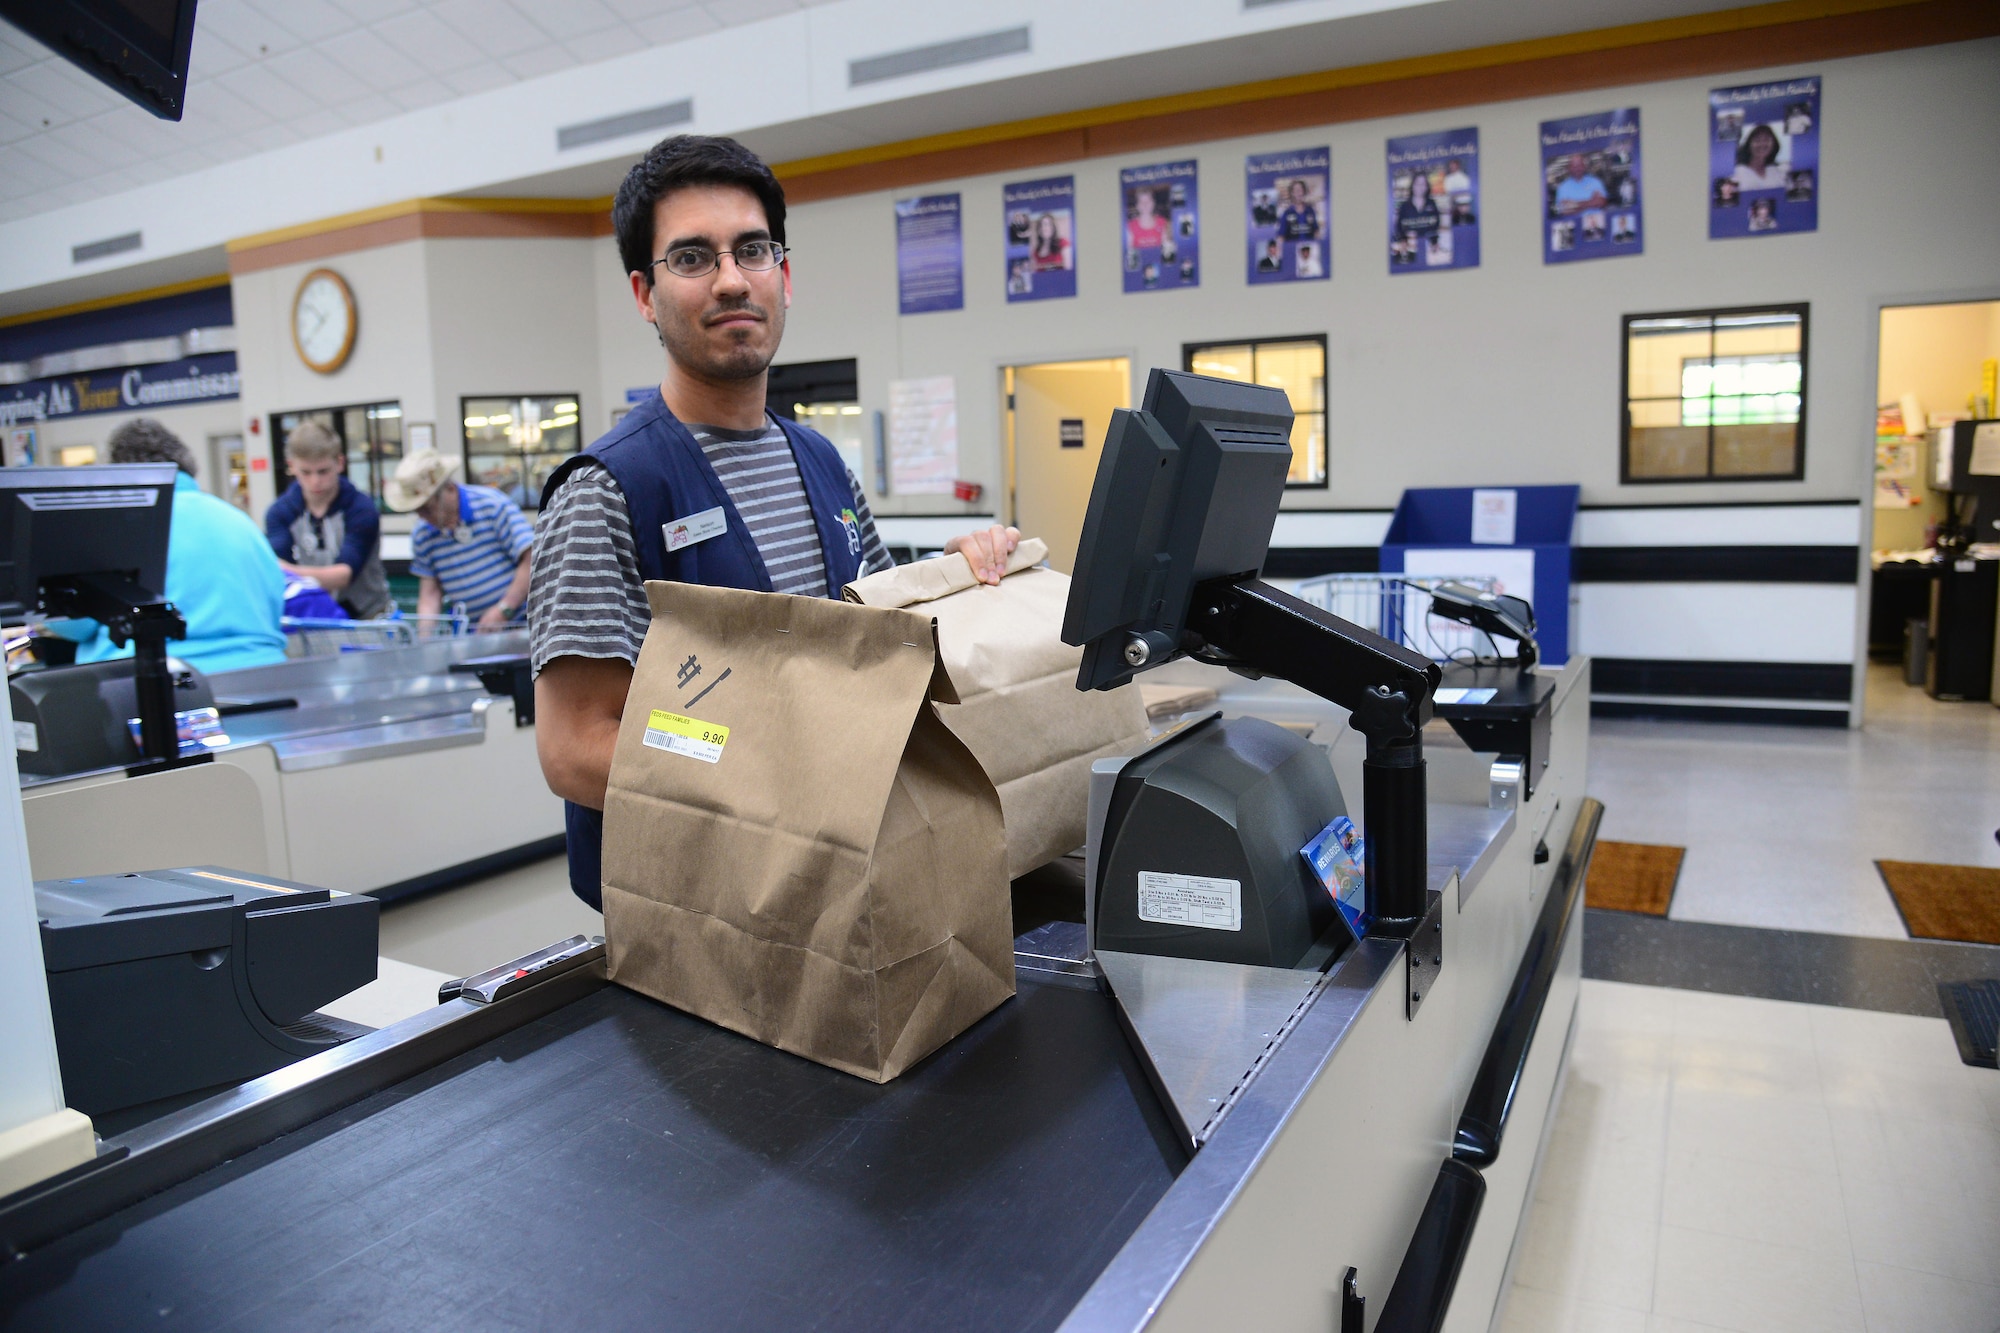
{"x": 1287, "y": 198}
{"x": 1434, "y": 201}
{"x": 1161, "y": 227}
{"x": 1590, "y": 187}
{"x": 1763, "y": 159}
{"x": 930, "y": 254}
{"x": 1041, "y": 238}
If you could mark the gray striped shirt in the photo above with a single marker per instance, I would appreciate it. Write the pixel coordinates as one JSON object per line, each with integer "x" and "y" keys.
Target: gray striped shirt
{"x": 586, "y": 597}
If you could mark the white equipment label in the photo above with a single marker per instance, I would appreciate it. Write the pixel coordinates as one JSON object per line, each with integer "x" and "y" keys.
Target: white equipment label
{"x": 1191, "y": 900}
{"x": 25, "y": 737}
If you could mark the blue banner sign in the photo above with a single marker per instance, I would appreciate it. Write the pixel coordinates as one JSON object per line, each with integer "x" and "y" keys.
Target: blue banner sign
{"x": 198, "y": 379}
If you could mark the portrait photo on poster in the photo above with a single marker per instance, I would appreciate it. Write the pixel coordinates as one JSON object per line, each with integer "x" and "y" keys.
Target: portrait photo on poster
{"x": 1434, "y": 201}
{"x": 930, "y": 254}
{"x": 1763, "y": 158}
{"x": 1591, "y": 192}
{"x": 1286, "y": 204}
{"x": 1040, "y": 219}
{"x": 1159, "y": 226}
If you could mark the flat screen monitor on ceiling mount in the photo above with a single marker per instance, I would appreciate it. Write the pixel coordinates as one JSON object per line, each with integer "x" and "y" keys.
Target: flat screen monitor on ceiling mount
{"x": 137, "y": 47}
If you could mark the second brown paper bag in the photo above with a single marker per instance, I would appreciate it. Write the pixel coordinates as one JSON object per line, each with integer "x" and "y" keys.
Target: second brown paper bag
{"x": 795, "y": 846}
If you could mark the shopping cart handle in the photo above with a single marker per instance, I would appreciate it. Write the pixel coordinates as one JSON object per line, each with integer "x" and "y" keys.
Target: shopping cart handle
{"x": 510, "y": 675}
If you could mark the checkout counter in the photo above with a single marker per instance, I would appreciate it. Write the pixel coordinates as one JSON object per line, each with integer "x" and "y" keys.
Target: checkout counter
{"x": 1334, "y": 1132}
{"x": 385, "y": 772}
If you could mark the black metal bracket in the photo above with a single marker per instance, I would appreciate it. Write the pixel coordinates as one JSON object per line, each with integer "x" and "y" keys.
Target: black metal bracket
{"x": 1253, "y": 629}
{"x": 131, "y": 613}
{"x": 509, "y": 675}
{"x": 1353, "y": 1305}
{"x": 1423, "y": 957}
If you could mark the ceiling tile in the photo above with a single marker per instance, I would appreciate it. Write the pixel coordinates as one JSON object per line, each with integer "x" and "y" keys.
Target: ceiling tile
{"x": 34, "y": 112}
{"x": 426, "y": 40}
{"x": 542, "y": 60}
{"x": 211, "y": 54}
{"x": 215, "y": 111}
{"x": 424, "y": 92}
{"x": 478, "y": 79}
{"x": 87, "y": 141}
{"x": 565, "y": 19}
{"x": 60, "y": 165}
{"x": 374, "y": 11}
{"x": 317, "y": 77}
{"x": 368, "y": 110}
{"x": 246, "y": 28}
{"x": 69, "y": 92}
{"x": 368, "y": 58}
{"x": 317, "y": 123}
{"x": 606, "y": 45}
{"x": 24, "y": 172}
{"x": 312, "y": 20}
{"x": 494, "y": 27}
{"x": 732, "y": 12}
{"x": 13, "y": 57}
{"x": 268, "y": 138}
{"x": 264, "y": 90}
{"x": 675, "y": 27}
{"x": 646, "y": 9}
{"x": 12, "y": 128}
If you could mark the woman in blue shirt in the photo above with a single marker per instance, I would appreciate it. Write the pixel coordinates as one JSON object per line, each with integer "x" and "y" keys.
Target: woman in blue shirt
{"x": 221, "y": 573}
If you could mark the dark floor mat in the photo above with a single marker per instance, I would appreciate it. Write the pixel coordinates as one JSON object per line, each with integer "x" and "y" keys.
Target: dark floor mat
{"x": 1941, "y": 902}
{"x": 1973, "y": 1010}
{"x": 1633, "y": 877}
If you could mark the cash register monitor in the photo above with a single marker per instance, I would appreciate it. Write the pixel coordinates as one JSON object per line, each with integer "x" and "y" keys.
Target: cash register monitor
{"x": 1187, "y": 491}
{"x": 58, "y": 522}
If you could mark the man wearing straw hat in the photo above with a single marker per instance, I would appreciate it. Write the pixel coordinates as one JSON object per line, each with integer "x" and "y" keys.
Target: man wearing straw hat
{"x": 470, "y": 547}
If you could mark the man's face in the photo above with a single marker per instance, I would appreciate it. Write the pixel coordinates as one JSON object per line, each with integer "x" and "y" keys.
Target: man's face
{"x": 441, "y": 510}
{"x": 1577, "y": 166}
{"x": 319, "y": 479}
{"x": 724, "y": 325}
{"x": 1298, "y": 194}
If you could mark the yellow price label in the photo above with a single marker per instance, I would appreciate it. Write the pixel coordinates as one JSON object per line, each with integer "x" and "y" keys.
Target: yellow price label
{"x": 679, "y": 734}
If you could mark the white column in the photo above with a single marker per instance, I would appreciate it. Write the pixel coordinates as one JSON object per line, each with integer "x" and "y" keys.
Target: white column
{"x": 39, "y": 1136}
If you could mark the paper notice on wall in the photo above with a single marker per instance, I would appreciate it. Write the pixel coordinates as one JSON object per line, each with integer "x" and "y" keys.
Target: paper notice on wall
{"x": 923, "y": 436}
{"x": 1493, "y": 517}
{"x": 1985, "y": 450}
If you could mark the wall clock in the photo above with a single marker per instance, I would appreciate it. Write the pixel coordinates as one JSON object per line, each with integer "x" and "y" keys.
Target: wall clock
{"x": 323, "y": 321}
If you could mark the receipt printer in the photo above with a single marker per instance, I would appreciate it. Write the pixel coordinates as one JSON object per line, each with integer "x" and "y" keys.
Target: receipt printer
{"x": 171, "y": 981}
{"x": 1199, "y": 852}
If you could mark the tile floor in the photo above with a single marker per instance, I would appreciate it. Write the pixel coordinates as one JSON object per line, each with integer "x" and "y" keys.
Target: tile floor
{"x": 1726, "y": 1163}
{"x": 1783, "y": 824}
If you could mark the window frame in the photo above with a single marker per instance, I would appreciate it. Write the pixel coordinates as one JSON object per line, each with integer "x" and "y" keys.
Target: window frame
{"x": 1803, "y": 309}
{"x": 1325, "y": 481}
{"x": 281, "y": 471}
{"x": 533, "y": 503}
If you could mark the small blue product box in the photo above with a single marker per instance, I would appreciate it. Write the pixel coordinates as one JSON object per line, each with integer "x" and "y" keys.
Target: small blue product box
{"x": 1337, "y": 856}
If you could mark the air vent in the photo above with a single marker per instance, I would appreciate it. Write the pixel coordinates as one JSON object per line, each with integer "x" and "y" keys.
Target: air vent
{"x": 115, "y": 245}
{"x": 939, "y": 55}
{"x": 619, "y": 127}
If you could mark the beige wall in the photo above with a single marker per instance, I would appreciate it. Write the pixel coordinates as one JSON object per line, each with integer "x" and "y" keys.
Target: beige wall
{"x": 1508, "y": 373}
{"x": 437, "y": 319}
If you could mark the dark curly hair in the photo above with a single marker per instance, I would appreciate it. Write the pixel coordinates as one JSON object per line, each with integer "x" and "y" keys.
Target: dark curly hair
{"x": 144, "y": 440}
{"x": 674, "y": 164}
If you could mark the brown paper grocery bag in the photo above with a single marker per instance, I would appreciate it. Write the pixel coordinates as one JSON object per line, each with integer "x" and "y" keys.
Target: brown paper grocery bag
{"x": 1019, "y": 710}
{"x": 795, "y": 846}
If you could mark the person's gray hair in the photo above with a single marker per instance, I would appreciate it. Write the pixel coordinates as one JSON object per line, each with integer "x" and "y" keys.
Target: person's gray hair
{"x": 144, "y": 440}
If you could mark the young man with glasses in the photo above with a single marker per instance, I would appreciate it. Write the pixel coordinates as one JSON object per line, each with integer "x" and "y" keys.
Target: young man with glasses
{"x": 697, "y": 483}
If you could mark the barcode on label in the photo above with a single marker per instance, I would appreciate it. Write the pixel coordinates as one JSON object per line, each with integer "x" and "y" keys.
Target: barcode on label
{"x": 688, "y": 736}
{"x": 1191, "y": 900}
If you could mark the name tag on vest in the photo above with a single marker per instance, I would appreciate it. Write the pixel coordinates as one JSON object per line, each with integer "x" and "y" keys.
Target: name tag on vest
{"x": 683, "y": 532}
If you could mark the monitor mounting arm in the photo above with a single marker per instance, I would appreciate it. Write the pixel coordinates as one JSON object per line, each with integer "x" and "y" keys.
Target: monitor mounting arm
{"x": 132, "y": 613}
{"x": 1252, "y": 628}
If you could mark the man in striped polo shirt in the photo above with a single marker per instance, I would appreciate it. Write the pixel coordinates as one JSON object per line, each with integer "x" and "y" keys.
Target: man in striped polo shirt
{"x": 698, "y": 483}
{"x": 470, "y": 547}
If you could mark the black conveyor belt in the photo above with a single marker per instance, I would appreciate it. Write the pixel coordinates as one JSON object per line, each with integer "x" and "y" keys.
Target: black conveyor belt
{"x": 618, "y": 1164}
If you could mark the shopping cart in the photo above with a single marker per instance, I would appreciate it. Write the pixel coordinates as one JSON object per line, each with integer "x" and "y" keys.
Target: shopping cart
{"x": 327, "y": 638}
{"x": 1397, "y": 607}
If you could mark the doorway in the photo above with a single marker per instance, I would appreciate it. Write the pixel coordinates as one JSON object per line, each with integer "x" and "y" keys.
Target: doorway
{"x": 1057, "y": 414}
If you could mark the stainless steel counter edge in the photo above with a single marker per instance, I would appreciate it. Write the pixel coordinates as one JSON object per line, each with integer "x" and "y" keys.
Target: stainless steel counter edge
{"x": 1130, "y": 1290}
{"x": 331, "y": 749}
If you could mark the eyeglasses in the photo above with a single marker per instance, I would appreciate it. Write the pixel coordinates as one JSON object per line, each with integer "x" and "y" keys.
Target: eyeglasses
{"x": 698, "y": 261}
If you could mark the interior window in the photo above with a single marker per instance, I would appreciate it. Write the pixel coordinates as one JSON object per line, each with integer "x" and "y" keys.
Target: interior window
{"x": 1715, "y": 395}
{"x": 1296, "y": 365}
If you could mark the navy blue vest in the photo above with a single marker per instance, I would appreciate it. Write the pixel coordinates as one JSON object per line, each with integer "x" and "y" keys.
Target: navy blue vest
{"x": 665, "y": 476}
